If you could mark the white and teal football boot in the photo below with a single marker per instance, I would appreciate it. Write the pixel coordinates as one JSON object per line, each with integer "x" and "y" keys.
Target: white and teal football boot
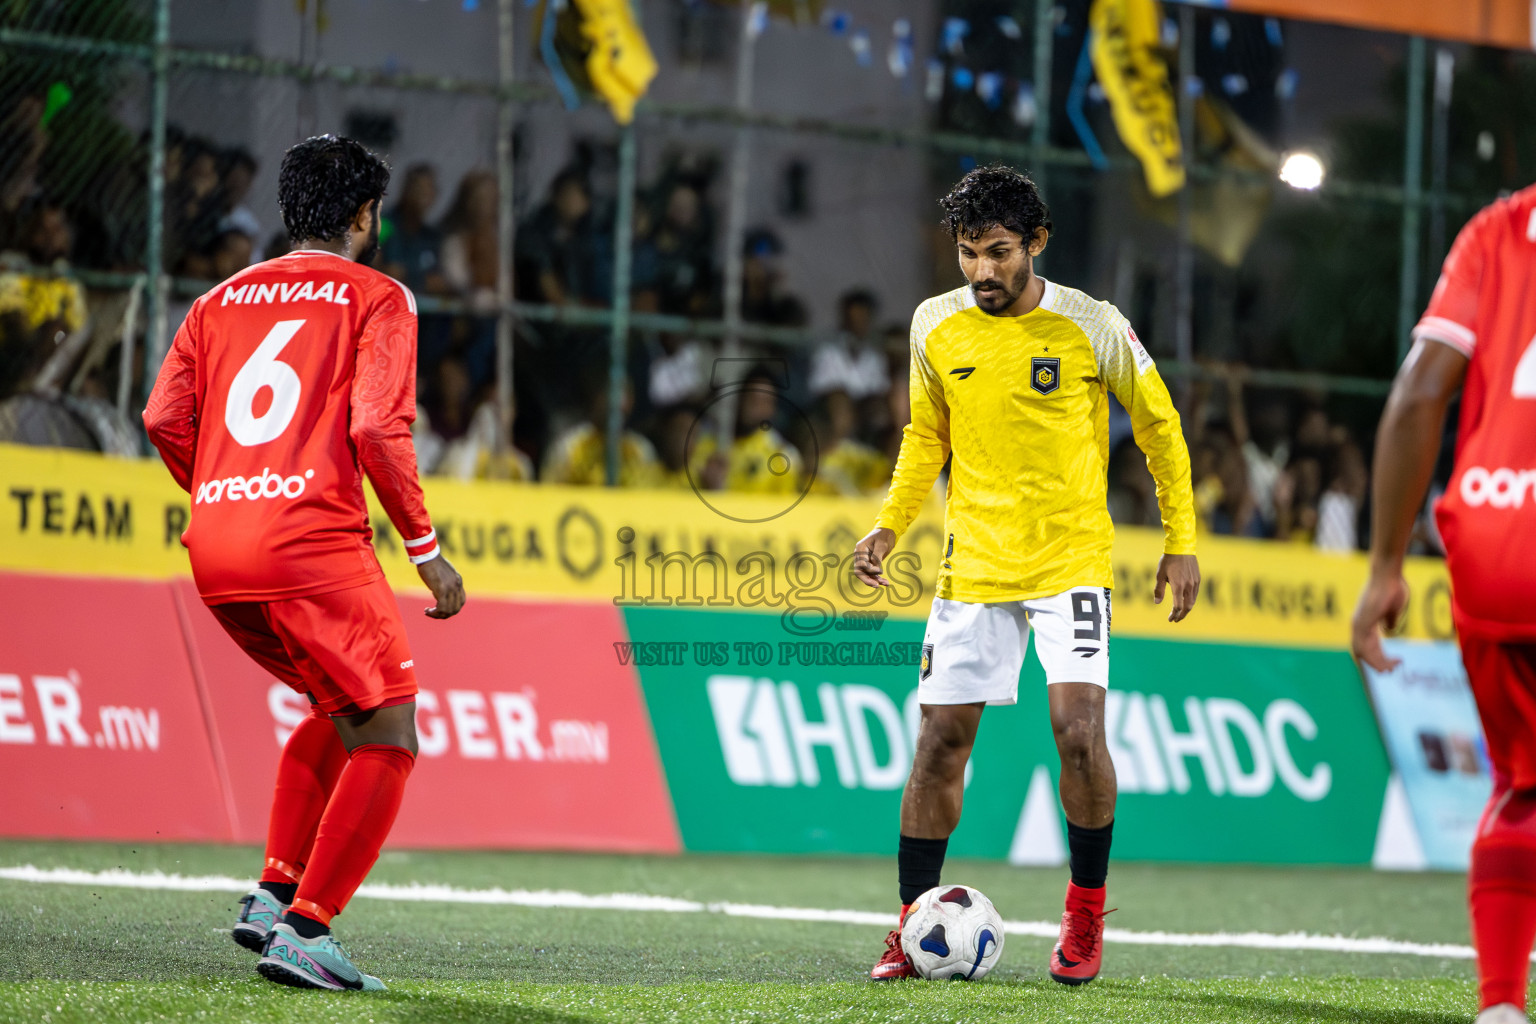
{"x": 259, "y": 911}
{"x": 321, "y": 963}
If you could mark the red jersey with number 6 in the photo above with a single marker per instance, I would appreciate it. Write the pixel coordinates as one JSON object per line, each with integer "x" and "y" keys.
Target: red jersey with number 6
{"x": 1485, "y": 307}
{"x": 285, "y": 385}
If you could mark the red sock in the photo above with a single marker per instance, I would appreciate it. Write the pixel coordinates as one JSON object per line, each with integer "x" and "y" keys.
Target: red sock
{"x": 1502, "y": 892}
{"x": 311, "y": 763}
{"x": 354, "y": 827}
{"x": 1077, "y": 895}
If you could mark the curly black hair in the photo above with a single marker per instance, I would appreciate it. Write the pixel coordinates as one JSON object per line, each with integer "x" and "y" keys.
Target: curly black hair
{"x": 991, "y": 196}
{"x": 323, "y": 182}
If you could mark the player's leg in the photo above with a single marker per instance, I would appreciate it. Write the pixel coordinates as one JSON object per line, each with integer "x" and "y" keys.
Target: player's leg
{"x": 930, "y": 811}
{"x": 351, "y": 648}
{"x": 1072, "y": 640}
{"x": 301, "y": 951}
{"x": 931, "y": 801}
{"x": 311, "y": 764}
{"x": 307, "y": 771}
{"x": 1502, "y": 879}
{"x": 1087, "y": 786}
{"x": 971, "y": 657}
{"x": 381, "y": 748}
{"x": 1502, "y": 897}
{"x": 1088, "y": 801}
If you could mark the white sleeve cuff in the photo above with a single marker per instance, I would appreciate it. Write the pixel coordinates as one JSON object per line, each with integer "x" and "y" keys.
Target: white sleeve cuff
{"x": 1447, "y": 332}
{"x": 418, "y": 559}
{"x": 418, "y": 542}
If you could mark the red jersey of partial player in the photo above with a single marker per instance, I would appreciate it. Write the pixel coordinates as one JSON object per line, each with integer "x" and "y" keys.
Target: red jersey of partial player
{"x": 1485, "y": 307}
{"x": 283, "y": 387}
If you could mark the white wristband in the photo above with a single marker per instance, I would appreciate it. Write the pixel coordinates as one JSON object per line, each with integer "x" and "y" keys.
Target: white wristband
{"x": 418, "y": 559}
{"x": 428, "y": 539}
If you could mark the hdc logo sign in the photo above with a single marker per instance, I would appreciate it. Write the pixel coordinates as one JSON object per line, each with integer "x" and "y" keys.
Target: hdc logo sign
{"x": 1239, "y": 752}
{"x": 769, "y": 739}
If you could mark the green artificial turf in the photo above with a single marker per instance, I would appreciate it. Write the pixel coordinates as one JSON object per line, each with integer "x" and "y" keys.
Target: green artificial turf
{"x": 1142, "y": 1000}
{"x": 96, "y": 953}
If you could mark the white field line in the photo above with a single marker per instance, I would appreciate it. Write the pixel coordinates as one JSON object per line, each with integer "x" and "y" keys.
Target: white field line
{"x": 566, "y": 899}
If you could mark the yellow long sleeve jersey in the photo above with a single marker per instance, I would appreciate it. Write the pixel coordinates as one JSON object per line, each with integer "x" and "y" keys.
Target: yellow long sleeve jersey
{"x": 1021, "y": 403}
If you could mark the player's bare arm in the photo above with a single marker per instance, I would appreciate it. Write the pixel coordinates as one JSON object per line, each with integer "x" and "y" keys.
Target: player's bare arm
{"x": 1181, "y": 575}
{"x": 1407, "y": 444}
{"x": 447, "y": 587}
{"x": 869, "y": 555}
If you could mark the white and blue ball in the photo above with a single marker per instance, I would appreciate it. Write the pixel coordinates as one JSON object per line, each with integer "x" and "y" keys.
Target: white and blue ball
{"x": 953, "y": 932}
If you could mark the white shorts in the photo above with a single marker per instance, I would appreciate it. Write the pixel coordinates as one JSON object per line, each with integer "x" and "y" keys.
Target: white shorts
{"x": 972, "y": 653}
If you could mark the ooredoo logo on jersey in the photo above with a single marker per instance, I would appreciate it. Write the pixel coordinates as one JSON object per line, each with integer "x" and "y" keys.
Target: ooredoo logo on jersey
{"x": 265, "y": 484}
{"x": 1500, "y": 488}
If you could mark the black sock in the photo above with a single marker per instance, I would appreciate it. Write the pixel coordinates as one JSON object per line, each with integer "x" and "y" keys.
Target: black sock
{"x": 307, "y": 927}
{"x": 1089, "y": 849}
{"x": 284, "y": 891}
{"x": 918, "y": 863}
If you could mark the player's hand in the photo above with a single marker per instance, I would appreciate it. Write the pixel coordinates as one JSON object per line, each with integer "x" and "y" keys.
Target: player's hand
{"x": 1382, "y": 604}
{"x": 446, "y": 585}
{"x": 1182, "y": 573}
{"x": 869, "y": 555}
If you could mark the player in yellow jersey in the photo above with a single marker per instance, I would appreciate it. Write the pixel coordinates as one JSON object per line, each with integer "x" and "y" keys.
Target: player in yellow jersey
{"x": 1010, "y": 378}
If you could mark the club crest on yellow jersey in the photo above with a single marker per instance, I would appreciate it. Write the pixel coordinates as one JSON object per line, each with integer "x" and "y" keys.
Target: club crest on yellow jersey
{"x": 1045, "y": 374}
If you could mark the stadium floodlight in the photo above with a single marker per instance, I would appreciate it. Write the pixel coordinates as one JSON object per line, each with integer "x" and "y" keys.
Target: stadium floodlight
{"x": 1302, "y": 170}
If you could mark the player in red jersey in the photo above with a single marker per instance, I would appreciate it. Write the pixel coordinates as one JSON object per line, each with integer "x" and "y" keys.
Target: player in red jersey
{"x": 285, "y": 385}
{"x": 1477, "y": 337}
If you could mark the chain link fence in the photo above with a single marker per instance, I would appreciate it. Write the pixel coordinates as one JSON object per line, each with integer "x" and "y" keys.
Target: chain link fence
{"x": 773, "y": 198}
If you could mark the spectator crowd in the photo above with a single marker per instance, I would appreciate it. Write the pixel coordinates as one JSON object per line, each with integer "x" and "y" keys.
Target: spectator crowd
{"x": 831, "y": 415}
{"x": 1263, "y": 466}
{"x": 759, "y": 418}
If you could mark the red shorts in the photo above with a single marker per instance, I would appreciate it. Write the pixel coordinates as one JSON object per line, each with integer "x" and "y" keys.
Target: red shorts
{"x": 1503, "y": 678}
{"x": 346, "y": 649}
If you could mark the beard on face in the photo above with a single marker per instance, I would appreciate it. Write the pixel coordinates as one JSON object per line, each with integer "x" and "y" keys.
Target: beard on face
{"x": 370, "y": 248}
{"x": 1002, "y": 294}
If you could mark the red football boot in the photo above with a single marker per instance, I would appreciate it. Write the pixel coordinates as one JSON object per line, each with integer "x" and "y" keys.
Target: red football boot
{"x": 1080, "y": 949}
{"x": 893, "y": 964}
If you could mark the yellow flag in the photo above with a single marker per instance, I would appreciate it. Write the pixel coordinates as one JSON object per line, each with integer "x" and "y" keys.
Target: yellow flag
{"x": 1126, "y": 40}
{"x": 619, "y": 61}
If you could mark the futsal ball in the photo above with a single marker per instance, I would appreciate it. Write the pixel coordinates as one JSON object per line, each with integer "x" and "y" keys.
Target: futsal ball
{"x": 952, "y": 932}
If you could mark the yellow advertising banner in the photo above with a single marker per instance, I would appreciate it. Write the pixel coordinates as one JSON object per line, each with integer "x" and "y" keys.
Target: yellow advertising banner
{"x": 1127, "y": 44}
{"x": 80, "y": 514}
